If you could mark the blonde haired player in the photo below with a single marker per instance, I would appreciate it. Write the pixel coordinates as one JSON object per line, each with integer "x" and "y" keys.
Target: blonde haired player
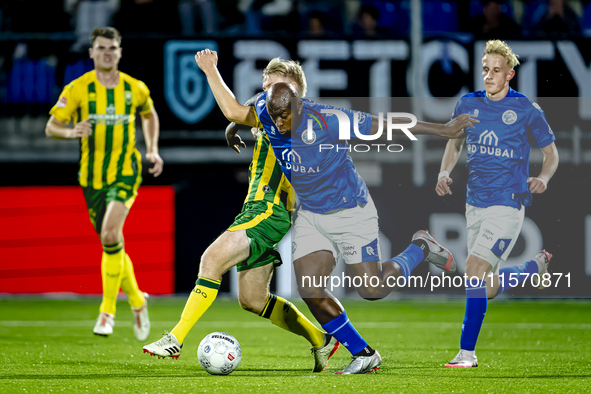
{"x": 499, "y": 186}
{"x": 102, "y": 104}
{"x": 250, "y": 244}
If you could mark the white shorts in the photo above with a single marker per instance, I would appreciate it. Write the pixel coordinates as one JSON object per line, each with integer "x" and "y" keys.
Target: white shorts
{"x": 492, "y": 232}
{"x": 351, "y": 233}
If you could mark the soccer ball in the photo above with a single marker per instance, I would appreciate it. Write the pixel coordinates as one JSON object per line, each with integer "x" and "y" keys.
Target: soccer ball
{"x": 219, "y": 353}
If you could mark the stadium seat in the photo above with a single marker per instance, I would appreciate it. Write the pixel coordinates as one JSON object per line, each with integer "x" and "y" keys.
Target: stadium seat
{"x": 533, "y": 11}
{"x": 13, "y": 95}
{"x": 440, "y": 16}
{"x": 476, "y": 8}
{"x": 586, "y": 21}
{"x": 44, "y": 82}
{"x": 77, "y": 69}
{"x": 31, "y": 82}
{"x": 394, "y": 15}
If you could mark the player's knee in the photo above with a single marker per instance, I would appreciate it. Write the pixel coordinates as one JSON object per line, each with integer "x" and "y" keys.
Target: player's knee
{"x": 209, "y": 267}
{"x": 312, "y": 292}
{"x": 109, "y": 236}
{"x": 370, "y": 293}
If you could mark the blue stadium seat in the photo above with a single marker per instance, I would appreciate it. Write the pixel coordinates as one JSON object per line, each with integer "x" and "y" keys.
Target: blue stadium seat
{"x": 44, "y": 82}
{"x": 14, "y": 94}
{"x": 533, "y": 11}
{"x": 28, "y": 82}
{"x": 77, "y": 69}
{"x": 440, "y": 16}
{"x": 394, "y": 15}
{"x": 476, "y": 8}
{"x": 586, "y": 21}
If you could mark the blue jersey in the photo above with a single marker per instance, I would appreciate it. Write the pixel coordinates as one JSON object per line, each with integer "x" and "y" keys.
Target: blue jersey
{"x": 323, "y": 179}
{"x": 499, "y": 147}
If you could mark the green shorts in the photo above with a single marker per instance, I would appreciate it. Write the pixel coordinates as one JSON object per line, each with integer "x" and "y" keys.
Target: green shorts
{"x": 265, "y": 226}
{"x": 97, "y": 200}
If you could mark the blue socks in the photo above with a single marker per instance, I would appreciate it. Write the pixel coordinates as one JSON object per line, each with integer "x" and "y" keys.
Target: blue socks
{"x": 409, "y": 259}
{"x": 342, "y": 329}
{"x": 476, "y": 302}
{"x": 507, "y": 280}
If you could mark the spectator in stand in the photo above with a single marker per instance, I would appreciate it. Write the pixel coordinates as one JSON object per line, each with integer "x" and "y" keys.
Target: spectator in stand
{"x": 87, "y": 16}
{"x": 493, "y": 23}
{"x": 559, "y": 22}
{"x": 367, "y": 22}
{"x": 319, "y": 26}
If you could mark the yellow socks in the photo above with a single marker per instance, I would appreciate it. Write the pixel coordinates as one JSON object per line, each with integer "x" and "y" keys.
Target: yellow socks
{"x": 111, "y": 269}
{"x": 129, "y": 284}
{"x": 284, "y": 314}
{"x": 201, "y": 298}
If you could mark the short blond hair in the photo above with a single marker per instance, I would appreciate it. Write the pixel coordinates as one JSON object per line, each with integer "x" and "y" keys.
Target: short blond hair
{"x": 290, "y": 70}
{"x": 498, "y": 47}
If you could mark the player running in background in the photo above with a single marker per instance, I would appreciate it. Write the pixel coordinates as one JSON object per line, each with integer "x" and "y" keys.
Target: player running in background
{"x": 499, "y": 186}
{"x": 337, "y": 215}
{"x": 250, "y": 243}
{"x": 102, "y": 104}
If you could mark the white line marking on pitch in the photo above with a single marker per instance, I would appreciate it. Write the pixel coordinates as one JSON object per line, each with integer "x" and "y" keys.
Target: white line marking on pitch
{"x": 263, "y": 324}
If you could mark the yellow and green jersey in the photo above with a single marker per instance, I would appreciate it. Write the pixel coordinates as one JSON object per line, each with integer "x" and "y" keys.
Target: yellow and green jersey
{"x": 109, "y": 154}
{"x": 266, "y": 181}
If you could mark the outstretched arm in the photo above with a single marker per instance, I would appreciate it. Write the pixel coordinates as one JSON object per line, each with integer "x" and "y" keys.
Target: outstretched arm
{"x": 539, "y": 184}
{"x": 232, "y": 138}
{"x": 233, "y": 111}
{"x": 453, "y": 149}
{"x": 452, "y": 129}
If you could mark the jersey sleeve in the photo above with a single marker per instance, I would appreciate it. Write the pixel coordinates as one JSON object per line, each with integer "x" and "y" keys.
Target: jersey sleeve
{"x": 66, "y": 105}
{"x": 539, "y": 128}
{"x": 458, "y": 110}
{"x": 259, "y": 106}
{"x": 145, "y": 104}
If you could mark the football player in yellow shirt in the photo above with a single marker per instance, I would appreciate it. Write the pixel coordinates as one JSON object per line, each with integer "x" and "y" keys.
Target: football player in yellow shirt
{"x": 102, "y": 104}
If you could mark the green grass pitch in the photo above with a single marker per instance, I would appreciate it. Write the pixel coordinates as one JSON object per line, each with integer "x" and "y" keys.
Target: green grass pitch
{"x": 534, "y": 346}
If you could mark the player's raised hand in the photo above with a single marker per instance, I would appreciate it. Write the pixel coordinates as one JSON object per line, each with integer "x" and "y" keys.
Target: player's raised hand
{"x": 233, "y": 139}
{"x": 81, "y": 130}
{"x": 235, "y": 142}
{"x": 206, "y": 59}
{"x": 442, "y": 187}
{"x": 455, "y": 128}
{"x": 154, "y": 157}
{"x": 537, "y": 185}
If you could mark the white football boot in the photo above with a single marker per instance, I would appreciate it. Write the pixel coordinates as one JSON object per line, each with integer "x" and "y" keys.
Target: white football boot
{"x": 141, "y": 320}
{"x": 463, "y": 360}
{"x": 104, "y": 324}
{"x": 362, "y": 364}
{"x": 167, "y": 346}
{"x": 543, "y": 260}
{"x": 439, "y": 256}
{"x": 323, "y": 353}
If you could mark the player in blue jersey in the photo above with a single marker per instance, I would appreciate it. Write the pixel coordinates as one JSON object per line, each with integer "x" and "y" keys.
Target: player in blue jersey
{"x": 337, "y": 215}
{"x": 499, "y": 185}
